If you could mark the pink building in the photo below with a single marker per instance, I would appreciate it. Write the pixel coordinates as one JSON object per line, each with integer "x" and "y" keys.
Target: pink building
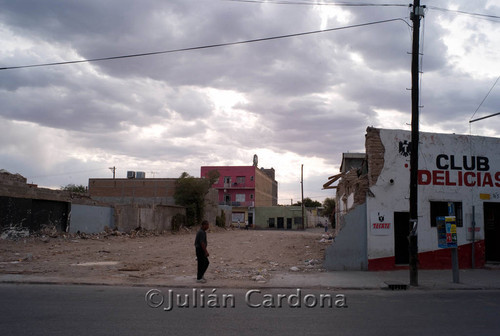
{"x": 244, "y": 188}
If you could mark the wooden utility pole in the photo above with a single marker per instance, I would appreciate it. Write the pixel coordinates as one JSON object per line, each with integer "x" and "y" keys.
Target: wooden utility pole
{"x": 113, "y": 169}
{"x": 416, "y": 14}
{"x": 302, "y": 188}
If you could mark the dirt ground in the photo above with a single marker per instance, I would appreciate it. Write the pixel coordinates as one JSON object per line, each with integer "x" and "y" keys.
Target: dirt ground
{"x": 144, "y": 257}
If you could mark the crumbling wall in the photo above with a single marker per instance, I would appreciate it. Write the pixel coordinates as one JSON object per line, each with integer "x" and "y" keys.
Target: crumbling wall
{"x": 356, "y": 183}
{"x": 11, "y": 180}
{"x": 16, "y": 186}
{"x": 349, "y": 251}
{"x": 375, "y": 152}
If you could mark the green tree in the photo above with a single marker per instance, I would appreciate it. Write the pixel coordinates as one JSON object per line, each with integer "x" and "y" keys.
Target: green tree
{"x": 75, "y": 188}
{"x": 309, "y": 203}
{"x": 329, "y": 209}
{"x": 190, "y": 193}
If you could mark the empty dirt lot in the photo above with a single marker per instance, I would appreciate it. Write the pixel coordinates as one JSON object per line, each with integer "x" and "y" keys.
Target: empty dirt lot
{"x": 145, "y": 258}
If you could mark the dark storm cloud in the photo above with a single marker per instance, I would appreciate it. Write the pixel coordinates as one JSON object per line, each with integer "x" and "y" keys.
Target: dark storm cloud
{"x": 312, "y": 96}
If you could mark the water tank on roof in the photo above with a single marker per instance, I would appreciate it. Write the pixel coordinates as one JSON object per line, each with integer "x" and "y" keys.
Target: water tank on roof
{"x": 140, "y": 175}
{"x": 130, "y": 174}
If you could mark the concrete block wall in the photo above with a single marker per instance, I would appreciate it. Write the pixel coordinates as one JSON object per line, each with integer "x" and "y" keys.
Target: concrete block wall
{"x": 349, "y": 250}
{"x": 91, "y": 219}
{"x": 154, "y": 218}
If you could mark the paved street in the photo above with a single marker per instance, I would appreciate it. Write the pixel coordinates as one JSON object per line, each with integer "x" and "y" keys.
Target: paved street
{"x": 113, "y": 310}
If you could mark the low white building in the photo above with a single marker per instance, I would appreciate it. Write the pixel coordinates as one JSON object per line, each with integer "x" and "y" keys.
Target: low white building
{"x": 455, "y": 171}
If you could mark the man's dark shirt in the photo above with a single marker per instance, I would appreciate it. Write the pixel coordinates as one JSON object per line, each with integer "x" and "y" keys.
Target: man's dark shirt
{"x": 201, "y": 236}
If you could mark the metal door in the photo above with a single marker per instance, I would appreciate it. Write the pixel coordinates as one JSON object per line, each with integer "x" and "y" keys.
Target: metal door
{"x": 401, "y": 232}
{"x": 492, "y": 231}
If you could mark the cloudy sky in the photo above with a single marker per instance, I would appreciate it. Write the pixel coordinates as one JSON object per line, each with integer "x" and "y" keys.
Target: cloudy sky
{"x": 292, "y": 101}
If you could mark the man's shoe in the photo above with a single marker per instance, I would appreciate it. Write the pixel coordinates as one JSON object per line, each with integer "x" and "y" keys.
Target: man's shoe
{"x": 201, "y": 280}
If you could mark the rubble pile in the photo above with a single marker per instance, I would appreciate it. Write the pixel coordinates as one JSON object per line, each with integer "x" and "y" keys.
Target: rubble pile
{"x": 51, "y": 232}
{"x": 327, "y": 238}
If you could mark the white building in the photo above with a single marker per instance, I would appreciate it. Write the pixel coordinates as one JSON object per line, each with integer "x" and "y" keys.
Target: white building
{"x": 373, "y": 201}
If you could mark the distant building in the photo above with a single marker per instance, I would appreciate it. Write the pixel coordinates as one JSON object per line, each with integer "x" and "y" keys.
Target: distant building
{"x": 143, "y": 202}
{"x": 279, "y": 217}
{"x": 244, "y": 188}
{"x": 133, "y": 190}
{"x": 352, "y": 161}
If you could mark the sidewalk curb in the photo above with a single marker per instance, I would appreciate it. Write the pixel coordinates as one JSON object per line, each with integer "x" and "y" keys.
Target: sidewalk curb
{"x": 384, "y": 285}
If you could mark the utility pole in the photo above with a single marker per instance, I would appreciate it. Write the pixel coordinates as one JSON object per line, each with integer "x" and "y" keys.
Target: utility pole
{"x": 302, "y": 188}
{"x": 113, "y": 169}
{"x": 416, "y": 14}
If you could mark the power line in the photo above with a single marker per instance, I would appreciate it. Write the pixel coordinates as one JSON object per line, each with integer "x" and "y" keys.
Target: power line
{"x": 311, "y": 197}
{"x": 344, "y": 4}
{"x": 494, "y": 84}
{"x": 488, "y": 116}
{"x": 202, "y": 47}
{"x": 487, "y": 16}
{"x": 308, "y": 3}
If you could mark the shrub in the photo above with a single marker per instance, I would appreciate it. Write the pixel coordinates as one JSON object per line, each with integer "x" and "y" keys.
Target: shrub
{"x": 220, "y": 221}
{"x": 190, "y": 193}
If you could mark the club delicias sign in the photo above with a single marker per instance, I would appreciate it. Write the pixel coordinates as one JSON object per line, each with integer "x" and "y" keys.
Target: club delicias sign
{"x": 468, "y": 171}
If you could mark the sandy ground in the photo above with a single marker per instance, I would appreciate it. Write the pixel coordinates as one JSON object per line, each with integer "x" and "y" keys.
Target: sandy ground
{"x": 142, "y": 257}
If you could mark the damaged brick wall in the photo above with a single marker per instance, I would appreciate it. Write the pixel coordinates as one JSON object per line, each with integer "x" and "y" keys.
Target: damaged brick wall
{"x": 358, "y": 181}
{"x": 16, "y": 186}
{"x": 353, "y": 183}
{"x": 375, "y": 154}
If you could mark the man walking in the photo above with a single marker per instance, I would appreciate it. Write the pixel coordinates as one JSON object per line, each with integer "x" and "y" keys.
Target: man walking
{"x": 200, "y": 244}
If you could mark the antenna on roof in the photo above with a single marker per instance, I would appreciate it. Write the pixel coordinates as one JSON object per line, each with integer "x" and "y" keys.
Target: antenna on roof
{"x": 113, "y": 169}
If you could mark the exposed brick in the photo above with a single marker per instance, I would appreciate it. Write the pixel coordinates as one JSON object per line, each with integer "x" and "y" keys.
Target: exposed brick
{"x": 358, "y": 181}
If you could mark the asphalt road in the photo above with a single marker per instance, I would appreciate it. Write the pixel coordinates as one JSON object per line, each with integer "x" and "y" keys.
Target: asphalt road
{"x": 100, "y": 310}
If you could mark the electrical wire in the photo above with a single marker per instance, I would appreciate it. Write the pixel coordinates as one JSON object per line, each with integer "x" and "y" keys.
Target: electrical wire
{"x": 494, "y": 84}
{"x": 202, "y": 47}
{"x": 485, "y": 16}
{"x": 344, "y": 4}
{"x": 338, "y": 4}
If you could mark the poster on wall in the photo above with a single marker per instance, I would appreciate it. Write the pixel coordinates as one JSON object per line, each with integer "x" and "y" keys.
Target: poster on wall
{"x": 238, "y": 217}
{"x": 379, "y": 224}
{"x": 447, "y": 231}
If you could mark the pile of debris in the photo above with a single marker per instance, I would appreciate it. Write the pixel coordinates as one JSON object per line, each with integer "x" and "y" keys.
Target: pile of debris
{"x": 14, "y": 233}
{"x": 47, "y": 232}
{"x": 326, "y": 238}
